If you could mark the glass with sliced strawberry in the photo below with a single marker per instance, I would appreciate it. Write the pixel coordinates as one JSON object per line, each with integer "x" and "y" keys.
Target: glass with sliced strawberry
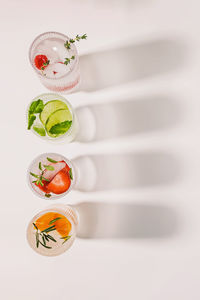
{"x": 53, "y": 230}
{"x": 51, "y": 176}
{"x": 54, "y": 58}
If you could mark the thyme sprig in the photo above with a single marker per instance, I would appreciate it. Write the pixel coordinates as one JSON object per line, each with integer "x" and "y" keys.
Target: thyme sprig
{"x": 68, "y": 43}
{"x": 68, "y": 59}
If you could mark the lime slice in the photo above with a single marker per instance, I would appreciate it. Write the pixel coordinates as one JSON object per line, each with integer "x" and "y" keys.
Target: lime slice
{"x": 49, "y": 108}
{"x": 39, "y": 129}
{"x": 57, "y": 117}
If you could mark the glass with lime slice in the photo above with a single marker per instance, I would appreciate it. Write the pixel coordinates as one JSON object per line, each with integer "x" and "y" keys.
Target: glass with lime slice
{"x": 52, "y": 117}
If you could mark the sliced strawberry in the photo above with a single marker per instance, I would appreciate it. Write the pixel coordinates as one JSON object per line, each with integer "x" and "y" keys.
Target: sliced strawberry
{"x": 67, "y": 168}
{"x": 44, "y": 187}
{"x": 57, "y": 168}
{"x": 60, "y": 183}
{"x": 40, "y": 60}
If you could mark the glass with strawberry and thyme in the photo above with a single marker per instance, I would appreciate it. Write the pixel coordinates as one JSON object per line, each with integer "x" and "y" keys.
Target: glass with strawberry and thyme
{"x": 53, "y": 231}
{"x": 52, "y": 117}
{"x": 51, "y": 176}
{"x": 54, "y": 58}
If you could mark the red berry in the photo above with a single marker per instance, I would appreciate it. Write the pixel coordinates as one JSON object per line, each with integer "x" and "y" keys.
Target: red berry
{"x": 40, "y": 60}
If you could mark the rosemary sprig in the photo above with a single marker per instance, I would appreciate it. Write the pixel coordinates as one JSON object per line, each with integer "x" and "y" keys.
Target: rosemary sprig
{"x": 46, "y": 237}
{"x": 44, "y": 234}
{"x": 41, "y": 178}
{"x": 51, "y": 228}
{"x": 54, "y": 220}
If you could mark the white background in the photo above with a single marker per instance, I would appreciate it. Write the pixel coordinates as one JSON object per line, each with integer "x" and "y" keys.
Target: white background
{"x": 158, "y": 262}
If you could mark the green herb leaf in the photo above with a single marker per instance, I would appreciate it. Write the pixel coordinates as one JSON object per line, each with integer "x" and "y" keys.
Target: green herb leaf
{"x": 37, "y": 239}
{"x": 46, "y": 237}
{"x": 47, "y": 195}
{"x": 35, "y": 226}
{"x": 67, "y": 45}
{"x": 43, "y": 238}
{"x": 51, "y": 160}
{"x": 44, "y": 245}
{"x": 45, "y": 179}
{"x": 46, "y": 63}
{"x": 40, "y": 166}
{"x": 54, "y": 220}
{"x": 36, "y": 107}
{"x": 51, "y": 238}
{"x": 70, "y": 174}
{"x": 49, "y": 229}
{"x": 68, "y": 60}
{"x": 61, "y": 128}
{"x": 50, "y": 168}
{"x": 34, "y": 175}
{"x": 66, "y": 238}
{"x": 40, "y": 130}
{"x": 31, "y": 119}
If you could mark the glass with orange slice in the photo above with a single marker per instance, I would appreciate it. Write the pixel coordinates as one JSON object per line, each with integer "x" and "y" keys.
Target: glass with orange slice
{"x": 52, "y": 231}
{"x": 51, "y": 175}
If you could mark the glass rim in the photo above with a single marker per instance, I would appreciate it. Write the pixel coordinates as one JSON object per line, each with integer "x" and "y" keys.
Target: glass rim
{"x": 54, "y": 197}
{"x": 69, "y": 131}
{"x": 54, "y": 210}
{"x": 73, "y": 47}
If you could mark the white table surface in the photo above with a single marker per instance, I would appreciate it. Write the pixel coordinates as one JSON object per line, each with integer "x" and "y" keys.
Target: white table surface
{"x": 159, "y": 257}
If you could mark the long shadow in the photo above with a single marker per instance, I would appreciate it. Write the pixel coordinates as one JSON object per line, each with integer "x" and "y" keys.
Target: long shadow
{"x": 105, "y": 220}
{"x": 125, "y": 171}
{"x": 127, "y": 117}
{"x": 128, "y": 63}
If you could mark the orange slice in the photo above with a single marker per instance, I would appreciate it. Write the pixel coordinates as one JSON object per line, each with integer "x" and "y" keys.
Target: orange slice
{"x": 63, "y": 226}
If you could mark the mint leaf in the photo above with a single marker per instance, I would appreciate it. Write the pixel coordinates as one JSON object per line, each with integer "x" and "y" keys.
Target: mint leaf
{"x": 40, "y": 130}
{"x": 61, "y": 128}
{"x": 31, "y": 119}
{"x": 36, "y": 107}
{"x": 70, "y": 174}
